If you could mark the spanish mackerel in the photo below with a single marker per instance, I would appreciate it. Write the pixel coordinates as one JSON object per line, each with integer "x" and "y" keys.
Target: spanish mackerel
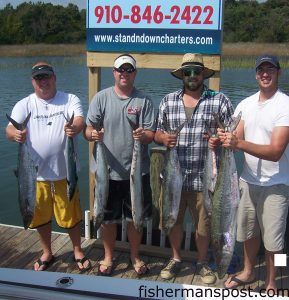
{"x": 99, "y": 166}
{"x": 210, "y": 175}
{"x": 71, "y": 161}
{"x": 172, "y": 183}
{"x": 26, "y": 174}
{"x": 136, "y": 189}
{"x": 225, "y": 203}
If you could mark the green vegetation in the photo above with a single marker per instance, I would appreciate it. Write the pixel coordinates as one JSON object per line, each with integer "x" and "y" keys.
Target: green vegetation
{"x": 31, "y": 23}
{"x": 244, "y": 21}
{"x": 250, "y": 21}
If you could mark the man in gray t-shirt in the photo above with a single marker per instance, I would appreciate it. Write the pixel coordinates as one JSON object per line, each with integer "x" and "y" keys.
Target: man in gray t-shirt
{"x": 117, "y": 108}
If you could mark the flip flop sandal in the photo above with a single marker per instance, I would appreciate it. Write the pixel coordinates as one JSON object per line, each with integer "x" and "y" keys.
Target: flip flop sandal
{"x": 139, "y": 266}
{"x": 82, "y": 261}
{"x": 107, "y": 268}
{"x": 44, "y": 264}
{"x": 238, "y": 282}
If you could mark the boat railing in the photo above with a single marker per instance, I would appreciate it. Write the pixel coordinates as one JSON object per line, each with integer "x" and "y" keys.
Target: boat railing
{"x": 152, "y": 234}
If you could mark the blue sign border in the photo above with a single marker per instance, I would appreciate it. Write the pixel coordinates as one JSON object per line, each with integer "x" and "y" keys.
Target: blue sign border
{"x": 155, "y": 40}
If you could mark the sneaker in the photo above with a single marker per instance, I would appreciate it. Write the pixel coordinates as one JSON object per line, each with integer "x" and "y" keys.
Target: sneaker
{"x": 207, "y": 275}
{"x": 171, "y": 270}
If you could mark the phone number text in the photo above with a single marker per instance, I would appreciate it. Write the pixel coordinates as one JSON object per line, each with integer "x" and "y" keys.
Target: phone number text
{"x": 154, "y": 15}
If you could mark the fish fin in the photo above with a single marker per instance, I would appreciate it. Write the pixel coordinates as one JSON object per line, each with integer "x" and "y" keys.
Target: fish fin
{"x": 218, "y": 121}
{"x": 134, "y": 125}
{"x": 24, "y": 124}
{"x": 98, "y": 124}
{"x": 235, "y": 122}
{"x": 19, "y": 126}
{"x": 179, "y": 128}
{"x": 208, "y": 130}
{"x": 168, "y": 128}
{"x": 209, "y": 206}
{"x": 166, "y": 122}
{"x": 69, "y": 121}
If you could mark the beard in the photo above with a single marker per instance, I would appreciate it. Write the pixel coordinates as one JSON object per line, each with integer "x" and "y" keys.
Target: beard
{"x": 192, "y": 85}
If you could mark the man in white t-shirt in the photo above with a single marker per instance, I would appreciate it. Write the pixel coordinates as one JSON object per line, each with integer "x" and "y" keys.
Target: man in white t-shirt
{"x": 263, "y": 134}
{"x": 46, "y": 134}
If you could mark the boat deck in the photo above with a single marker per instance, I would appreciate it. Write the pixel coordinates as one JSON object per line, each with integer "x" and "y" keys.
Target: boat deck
{"x": 21, "y": 248}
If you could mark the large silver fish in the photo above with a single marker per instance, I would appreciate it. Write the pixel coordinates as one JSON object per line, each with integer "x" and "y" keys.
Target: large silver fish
{"x": 210, "y": 175}
{"x": 71, "y": 161}
{"x": 26, "y": 174}
{"x": 226, "y": 199}
{"x": 99, "y": 166}
{"x": 172, "y": 183}
{"x": 136, "y": 189}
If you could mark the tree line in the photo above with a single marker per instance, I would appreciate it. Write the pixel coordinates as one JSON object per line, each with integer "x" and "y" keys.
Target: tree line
{"x": 244, "y": 21}
{"x": 40, "y": 22}
{"x": 250, "y": 21}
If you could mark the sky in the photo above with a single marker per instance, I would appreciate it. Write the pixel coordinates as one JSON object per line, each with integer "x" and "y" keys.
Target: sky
{"x": 80, "y": 3}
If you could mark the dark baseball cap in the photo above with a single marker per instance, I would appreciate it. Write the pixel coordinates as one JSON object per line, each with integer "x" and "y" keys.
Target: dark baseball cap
{"x": 273, "y": 60}
{"x": 42, "y": 70}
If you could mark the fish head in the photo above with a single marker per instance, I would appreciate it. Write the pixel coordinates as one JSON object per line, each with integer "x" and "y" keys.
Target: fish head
{"x": 223, "y": 263}
{"x": 27, "y": 218}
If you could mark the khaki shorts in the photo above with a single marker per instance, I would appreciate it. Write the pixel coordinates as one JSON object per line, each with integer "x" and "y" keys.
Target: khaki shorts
{"x": 194, "y": 202}
{"x": 263, "y": 210}
{"x": 51, "y": 198}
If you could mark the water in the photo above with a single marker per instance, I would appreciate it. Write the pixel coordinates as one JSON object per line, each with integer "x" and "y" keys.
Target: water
{"x": 72, "y": 76}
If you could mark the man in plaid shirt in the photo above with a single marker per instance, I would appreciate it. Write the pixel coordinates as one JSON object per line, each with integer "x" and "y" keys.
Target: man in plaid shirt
{"x": 194, "y": 105}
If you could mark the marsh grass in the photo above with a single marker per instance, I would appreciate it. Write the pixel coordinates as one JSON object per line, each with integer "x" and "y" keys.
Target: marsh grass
{"x": 243, "y": 55}
{"x": 42, "y": 50}
{"x": 236, "y": 55}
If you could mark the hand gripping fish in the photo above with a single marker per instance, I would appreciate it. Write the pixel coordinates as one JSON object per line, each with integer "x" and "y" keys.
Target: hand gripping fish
{"x": 99, "y": 166}
{"x": 172, "y": 183}
{"x": 136, "y": 189}
{"x": 71, "y": 161}
{"x": 225, "y": 203}
{"x": 26, "y": 174}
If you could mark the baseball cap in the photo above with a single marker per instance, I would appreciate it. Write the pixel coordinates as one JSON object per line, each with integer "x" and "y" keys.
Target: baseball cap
{"x": 42, "y": 70}
{"x": 267, "y": 58}
{"x": 124, "y": 59}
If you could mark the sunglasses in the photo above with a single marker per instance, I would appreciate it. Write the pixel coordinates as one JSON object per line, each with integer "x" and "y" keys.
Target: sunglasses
{"x": 42, "y": 76}
{"x": 192, "y": 71}
{"x": 127, "y": 70}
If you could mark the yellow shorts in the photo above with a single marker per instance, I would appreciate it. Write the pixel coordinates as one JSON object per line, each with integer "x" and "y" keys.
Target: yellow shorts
{"x": 51, "y": 198}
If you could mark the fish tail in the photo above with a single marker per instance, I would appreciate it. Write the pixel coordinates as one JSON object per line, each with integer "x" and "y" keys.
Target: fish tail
{"x": 19, "y": 126}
